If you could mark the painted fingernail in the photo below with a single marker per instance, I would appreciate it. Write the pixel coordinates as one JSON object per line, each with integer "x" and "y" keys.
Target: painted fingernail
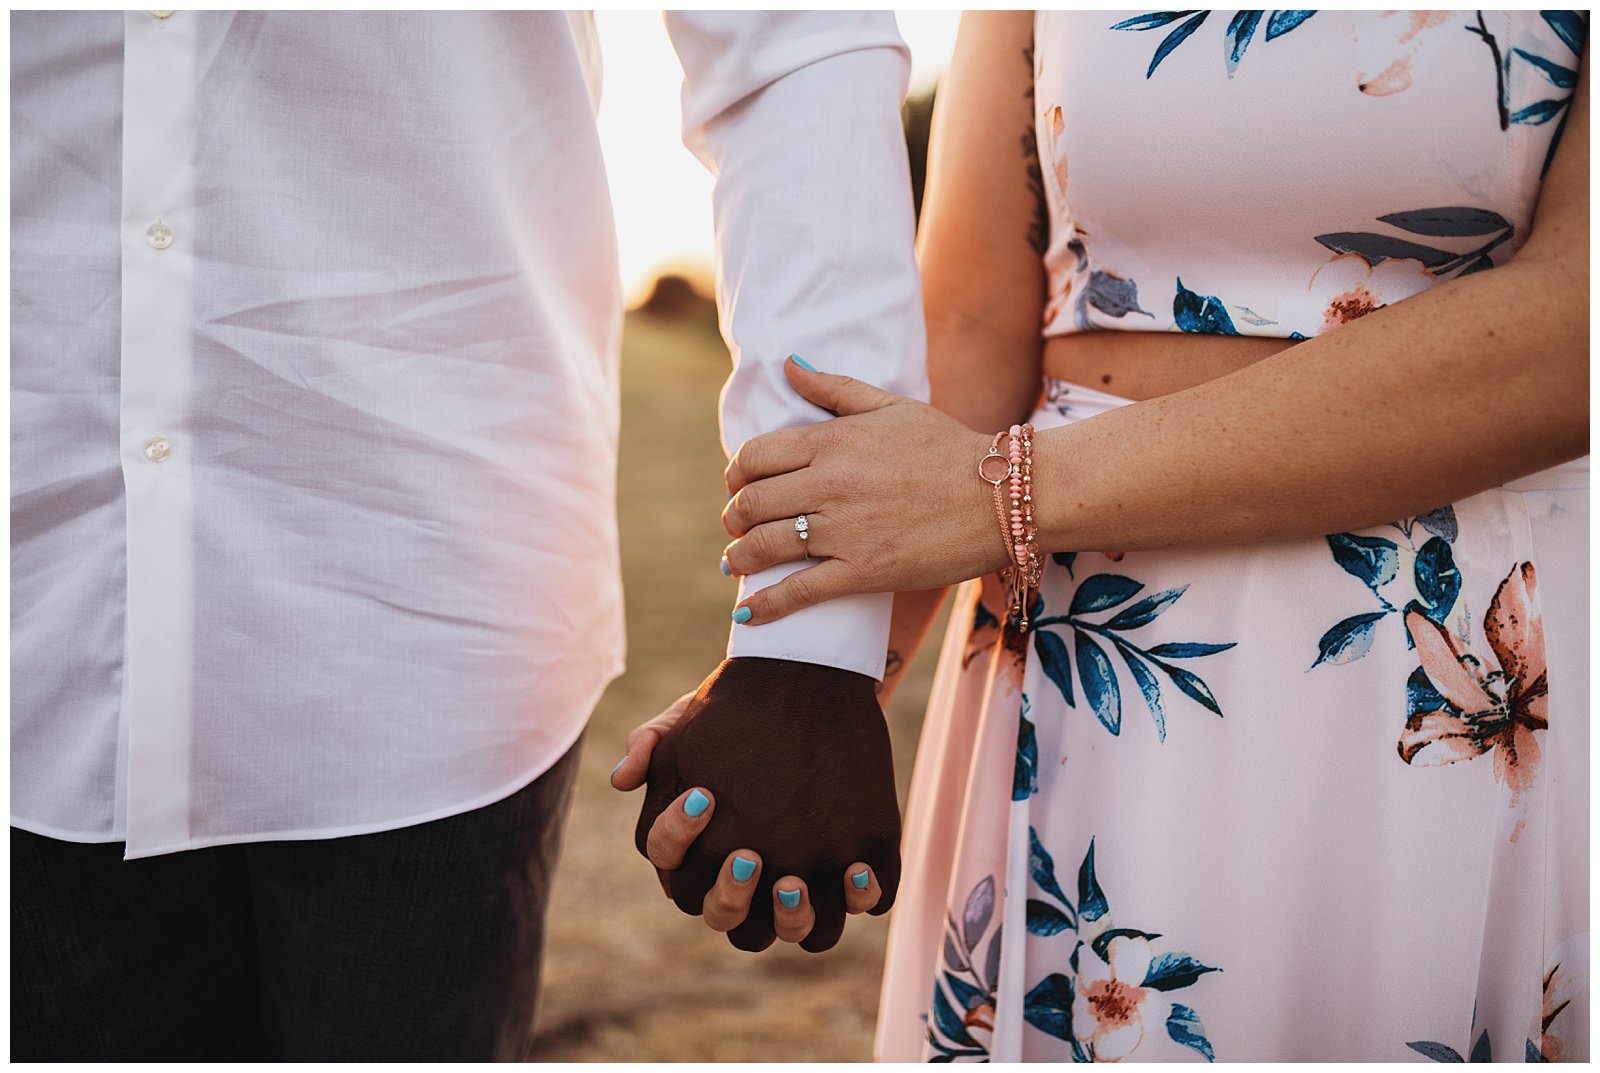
{"x": 695, "y": 803}
{"x": 727, "y": 571}
{"x": 860, "y": 879}
{"x": 803, "y": 363}
{"x": 789, "y": 898}
{"x": 743, "y": 869}
{"x": 741, "y": 615}
{"x": 624, "y": 760}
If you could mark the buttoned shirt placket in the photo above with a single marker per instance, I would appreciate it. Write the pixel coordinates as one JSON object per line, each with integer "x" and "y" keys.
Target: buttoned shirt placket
{"x": 158, "y": 449}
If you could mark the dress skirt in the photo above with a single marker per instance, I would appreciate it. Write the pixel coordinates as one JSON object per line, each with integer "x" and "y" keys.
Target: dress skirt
{"x": 1313, "y": 800}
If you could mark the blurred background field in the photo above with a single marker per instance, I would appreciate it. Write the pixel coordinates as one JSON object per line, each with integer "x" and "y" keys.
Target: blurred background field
{"x": 628, "y": 977}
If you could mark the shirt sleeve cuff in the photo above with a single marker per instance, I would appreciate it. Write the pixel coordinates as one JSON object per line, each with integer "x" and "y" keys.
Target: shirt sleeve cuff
{"x": 851, "y": 633}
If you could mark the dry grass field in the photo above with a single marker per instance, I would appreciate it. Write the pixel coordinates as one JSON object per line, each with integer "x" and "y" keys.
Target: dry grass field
{"x": 627, "y": 977}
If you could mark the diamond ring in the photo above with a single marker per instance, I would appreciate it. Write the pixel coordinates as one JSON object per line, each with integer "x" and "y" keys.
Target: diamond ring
{"x": 802, "y": 527}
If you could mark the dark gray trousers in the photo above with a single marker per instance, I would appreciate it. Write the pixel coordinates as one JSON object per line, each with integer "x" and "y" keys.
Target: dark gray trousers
{"x": 418, "y": 944}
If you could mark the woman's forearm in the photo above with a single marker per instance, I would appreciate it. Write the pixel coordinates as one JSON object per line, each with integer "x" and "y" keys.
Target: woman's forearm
{"x": 1415, "y": 406}
{"x": 914, "y": 612}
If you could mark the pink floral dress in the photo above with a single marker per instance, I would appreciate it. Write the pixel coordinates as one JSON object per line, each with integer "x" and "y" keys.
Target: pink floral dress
{"x": 1311, "y": 800}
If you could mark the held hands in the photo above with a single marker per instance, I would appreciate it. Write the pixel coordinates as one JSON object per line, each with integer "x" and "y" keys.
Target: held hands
{"x": 890, "y": 491}
{"x": 798, "y": 755}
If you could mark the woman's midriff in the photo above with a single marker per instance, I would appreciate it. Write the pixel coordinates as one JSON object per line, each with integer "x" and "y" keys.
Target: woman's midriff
{"x": 1146, "y": 365}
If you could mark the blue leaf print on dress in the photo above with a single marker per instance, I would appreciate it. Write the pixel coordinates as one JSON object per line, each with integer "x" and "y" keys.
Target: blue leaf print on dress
{"x": 1421, "y": 696}
{"x": 1048, "y": 1008}
{"x": 1042, "y": 867}
{"x": 1349, "y": 639}
{"x": 1441, "y": 523}
{"x": 979, "y": 911}
{"x": 1373, "y": 560}
{"x": 1182, "y": 650}
{"x": 1284, "y": 21}
{"x": 948, "y": 1021}
{"x": 1450, "y": 222}
{"x": 1557, "y": 75}
{"x": 1091, "y": 899}
{"x": 1438, "y": 580}
{"x": 1148, "y": 685}
{"x": 1099, "y": 682}
{"x": 1098, "y": 1008}
{"x": 1482, "y": 1050}
{"x": 1184, "y": 1027}
{"x": 1096, "y": 673}
{"x": 1145, "y": 610}
{"x": 1439, "y": 1052}
{"x": 1025, "y": 776}
{"x": 1191, "y": 685}
{"x": 1102, "y": 591}
{"x": 1192, "y": 312}
{"x": 1570, "y": 26}
{"x": 1046, "y": 919}
{"x": 1057, "y": 664}
{"x": 1113, "y": 295}
{"x": 970, "y": 1004}
{"x": 1172, "y": 971}
{"x": 1241, "y": 28}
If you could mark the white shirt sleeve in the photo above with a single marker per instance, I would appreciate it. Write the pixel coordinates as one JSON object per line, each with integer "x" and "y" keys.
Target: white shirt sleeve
{"x": 797, "y": 114}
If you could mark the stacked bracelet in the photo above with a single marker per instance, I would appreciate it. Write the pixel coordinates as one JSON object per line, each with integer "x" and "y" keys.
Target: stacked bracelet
{"x": 1011, "y": 474}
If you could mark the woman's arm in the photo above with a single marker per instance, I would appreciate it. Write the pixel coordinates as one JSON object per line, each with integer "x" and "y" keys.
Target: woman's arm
{"x": 979, "y": 249}
{"x": 1453, "y": 391}
{"x": 1463, "y": 387}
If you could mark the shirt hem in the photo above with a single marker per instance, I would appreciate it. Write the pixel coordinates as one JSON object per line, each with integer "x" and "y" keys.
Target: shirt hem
{"x": 477, "y": 801}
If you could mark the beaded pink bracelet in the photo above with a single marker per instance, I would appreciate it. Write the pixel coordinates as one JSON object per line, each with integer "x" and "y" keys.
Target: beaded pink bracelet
{"x": 1014, "y": 510}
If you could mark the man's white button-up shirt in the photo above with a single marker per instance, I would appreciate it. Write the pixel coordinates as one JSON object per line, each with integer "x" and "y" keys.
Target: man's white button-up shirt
{"x": 314, "y": 391}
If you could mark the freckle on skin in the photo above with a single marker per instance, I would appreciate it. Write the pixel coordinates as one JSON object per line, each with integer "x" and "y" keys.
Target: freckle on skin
{"x": 1106, "y": 379}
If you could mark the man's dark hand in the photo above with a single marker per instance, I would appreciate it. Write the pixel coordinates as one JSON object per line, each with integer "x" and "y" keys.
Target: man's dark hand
{"x": 796, "y": 757}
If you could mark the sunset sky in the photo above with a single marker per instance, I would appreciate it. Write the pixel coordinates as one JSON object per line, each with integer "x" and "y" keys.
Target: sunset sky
{"x": 661, "y": 193}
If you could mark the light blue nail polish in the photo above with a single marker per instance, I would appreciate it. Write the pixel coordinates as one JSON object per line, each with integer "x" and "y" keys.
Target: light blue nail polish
{"x": 860, "y": 879}
{"x": 727, "y": 571}
{"x": 624, "y": 760}
{"x": 695, "y": 803}
{"x": 803, "y": 363}
{"x": 789, "y": 898}
{"x": 743, "y": 869}
{"x": 741, "y": 615}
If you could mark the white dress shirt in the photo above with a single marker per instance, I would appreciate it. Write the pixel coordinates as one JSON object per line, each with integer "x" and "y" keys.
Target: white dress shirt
{"x": 314, "y": 392}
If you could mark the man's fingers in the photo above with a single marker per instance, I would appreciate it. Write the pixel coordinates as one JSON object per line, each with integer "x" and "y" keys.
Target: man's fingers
{"x": 676, "y": 828}
{"x": 770, "y": 454}
{"x": 827, "y": 903}
{"x": 728, "y": 902}
{"x": 813, "y": 585}
{"x": 861, "y": 889}
{"x": 792, "y": 915}
{"x": 841, "y": 394}
{"x": 634, "y": 767}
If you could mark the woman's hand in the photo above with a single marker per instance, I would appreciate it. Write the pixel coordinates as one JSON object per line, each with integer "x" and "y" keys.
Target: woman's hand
{"x": 890, "y": 491}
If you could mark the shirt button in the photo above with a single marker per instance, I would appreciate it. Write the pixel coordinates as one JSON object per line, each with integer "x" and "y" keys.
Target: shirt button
{"x": 162, "y": 14}
{"x": 159, "y": 235}
{"x": 157, "y": 449}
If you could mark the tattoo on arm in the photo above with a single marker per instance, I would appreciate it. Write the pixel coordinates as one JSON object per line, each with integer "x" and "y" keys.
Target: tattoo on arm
{"x": 1039, "y": 224}
{"x": 892, "y": 665}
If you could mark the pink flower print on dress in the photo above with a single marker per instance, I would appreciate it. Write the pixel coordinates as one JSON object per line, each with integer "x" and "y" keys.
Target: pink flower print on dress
{"x": 1388, "y": 45}
{"x": 1470, "y": 712}
{"x": 1348, "y": 287}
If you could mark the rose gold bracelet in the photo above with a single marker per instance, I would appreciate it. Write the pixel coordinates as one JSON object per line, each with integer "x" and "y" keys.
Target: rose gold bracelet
{"x": 1011, "y": 474}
